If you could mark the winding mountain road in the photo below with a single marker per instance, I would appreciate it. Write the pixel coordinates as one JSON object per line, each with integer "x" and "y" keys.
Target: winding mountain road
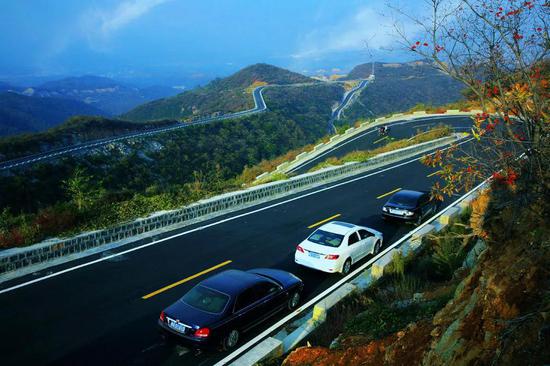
{"x": 346, "y": 102}
{"x": 259, "y": 106}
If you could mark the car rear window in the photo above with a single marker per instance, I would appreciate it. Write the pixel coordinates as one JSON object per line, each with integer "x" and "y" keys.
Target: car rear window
{"x": 206, "y": 299}
{"x": 326, "y": 238}
{"x": 403, "y": 200}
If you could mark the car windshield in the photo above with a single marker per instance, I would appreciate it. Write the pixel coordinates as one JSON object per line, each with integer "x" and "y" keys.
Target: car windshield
{"x": 206, "y": 299}
{"x": 326, "y": 238}
{"x": 404, "y": 200}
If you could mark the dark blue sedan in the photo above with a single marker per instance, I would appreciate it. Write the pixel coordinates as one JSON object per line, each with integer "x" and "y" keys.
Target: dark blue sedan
{"x": 219, "y": 309}
{"x": 411, "y": 206}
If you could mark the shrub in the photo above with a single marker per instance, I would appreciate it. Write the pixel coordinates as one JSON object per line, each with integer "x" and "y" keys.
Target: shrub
{"x": 479, "y": 208}
{"x": 404, "y": 287}
{"x": 12, "y": 238}
{"x": 448, "y": 256}
{"x": 55, "y": 219}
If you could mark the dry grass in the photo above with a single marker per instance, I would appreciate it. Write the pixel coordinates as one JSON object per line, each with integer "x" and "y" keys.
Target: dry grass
{"x": 254, "y": 85}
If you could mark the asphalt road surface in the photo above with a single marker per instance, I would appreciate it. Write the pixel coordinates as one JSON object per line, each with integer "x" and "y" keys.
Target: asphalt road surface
{"x": 95, "y": 315}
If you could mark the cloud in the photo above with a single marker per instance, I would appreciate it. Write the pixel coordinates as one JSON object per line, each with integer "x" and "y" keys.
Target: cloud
{"x": 367, "y": 27}
{"x": 125, "y": 13}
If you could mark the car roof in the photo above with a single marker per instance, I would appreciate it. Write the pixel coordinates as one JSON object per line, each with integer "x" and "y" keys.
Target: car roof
{"x": 339, "y": 227}
{"x": 408, "y": 193}
{"x": 232, "y": 281}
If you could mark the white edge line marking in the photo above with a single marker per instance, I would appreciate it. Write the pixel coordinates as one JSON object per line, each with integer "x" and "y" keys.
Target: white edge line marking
{"x": 311, "y": 302}
{"x": 210, "y": 225}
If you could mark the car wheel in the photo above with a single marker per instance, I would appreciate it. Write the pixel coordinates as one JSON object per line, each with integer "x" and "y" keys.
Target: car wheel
{"x": 231, "y": 340}
{"x": 293, "y": 301}
{"x": 346, "y": 268}
{"x": 377, "y": 247}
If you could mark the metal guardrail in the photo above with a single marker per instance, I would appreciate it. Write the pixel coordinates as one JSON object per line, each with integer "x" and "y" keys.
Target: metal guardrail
{"x": 16, "y": 258}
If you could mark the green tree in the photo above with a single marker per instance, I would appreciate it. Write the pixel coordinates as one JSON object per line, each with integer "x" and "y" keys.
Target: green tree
{"x": 79, "y": 188}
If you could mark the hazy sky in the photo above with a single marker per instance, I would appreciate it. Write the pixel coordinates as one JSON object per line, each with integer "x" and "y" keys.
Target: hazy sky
{"x": 128, "y": 37}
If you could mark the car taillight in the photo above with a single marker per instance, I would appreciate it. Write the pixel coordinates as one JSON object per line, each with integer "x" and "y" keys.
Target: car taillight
{"x": 300, "y": 249}
{"x": 332, "y": 256}
{"x": 162, "y": 316}
{"x": 202, "y": 332}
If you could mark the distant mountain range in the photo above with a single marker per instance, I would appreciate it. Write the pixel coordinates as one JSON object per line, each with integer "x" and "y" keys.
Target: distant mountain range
{"x": 32, "y": 109}
{"x": 230, "y": 94}
{"x": 20, "y": 113}
{"x": 108, "y": 95}
{"x": 398, "y": 87}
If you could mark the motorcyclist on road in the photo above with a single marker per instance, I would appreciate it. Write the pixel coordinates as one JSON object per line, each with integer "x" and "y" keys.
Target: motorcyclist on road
{"x": 383, "y": 130}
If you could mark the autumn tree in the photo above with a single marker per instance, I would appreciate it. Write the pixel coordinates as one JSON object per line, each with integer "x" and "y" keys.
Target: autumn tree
{"x": 499, "y": 50}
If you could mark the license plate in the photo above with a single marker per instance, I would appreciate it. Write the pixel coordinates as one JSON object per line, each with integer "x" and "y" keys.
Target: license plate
{"x": 314, "y": 255}
{"x": 396, "y": 212}
{"x": 176, "y": 326}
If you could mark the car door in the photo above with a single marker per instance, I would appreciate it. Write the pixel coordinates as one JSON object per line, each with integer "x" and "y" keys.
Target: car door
{"x": 354, "y": 246}
{"x": 257, "y": 303}
{"x": 272, "y": 298}
{"x": 367, "y": 242}
{"x": 245, "y": 310}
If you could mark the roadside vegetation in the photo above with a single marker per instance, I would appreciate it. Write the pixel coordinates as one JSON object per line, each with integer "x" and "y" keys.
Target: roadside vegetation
{"x": 130, "y": 180}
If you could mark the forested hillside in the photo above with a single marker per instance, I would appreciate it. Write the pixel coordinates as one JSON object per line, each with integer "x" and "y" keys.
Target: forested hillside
{"x": 400, "y": 86}
{"x": 75, "y": 130}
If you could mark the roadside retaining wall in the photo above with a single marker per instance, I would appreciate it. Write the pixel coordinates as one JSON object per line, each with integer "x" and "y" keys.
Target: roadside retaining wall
{"x": 16, "y": 258}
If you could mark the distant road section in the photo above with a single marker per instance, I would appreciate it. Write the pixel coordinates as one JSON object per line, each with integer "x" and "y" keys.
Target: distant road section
{"x": 259, "y": 106}
{"x": 346, "y": 101}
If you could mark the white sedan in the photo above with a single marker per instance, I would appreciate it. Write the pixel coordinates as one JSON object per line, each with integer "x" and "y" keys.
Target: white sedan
{"x": 335, "y": 246}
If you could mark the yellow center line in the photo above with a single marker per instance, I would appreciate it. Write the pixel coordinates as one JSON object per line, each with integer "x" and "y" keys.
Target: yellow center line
{"x": 383, "y": 138}
{"x": 387, "y": 194}
{"x": 432, "y": 174}
{"x": 165, "y": 288}
{"x": 323, "y": 221}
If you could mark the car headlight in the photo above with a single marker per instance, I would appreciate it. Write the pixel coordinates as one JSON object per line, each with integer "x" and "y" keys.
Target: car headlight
{"x": 409, "y": 213}
{"x": 385, "y": 209}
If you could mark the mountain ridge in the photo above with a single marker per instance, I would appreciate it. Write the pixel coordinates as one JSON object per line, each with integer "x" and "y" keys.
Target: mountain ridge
{"x": 222, "y": 95}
